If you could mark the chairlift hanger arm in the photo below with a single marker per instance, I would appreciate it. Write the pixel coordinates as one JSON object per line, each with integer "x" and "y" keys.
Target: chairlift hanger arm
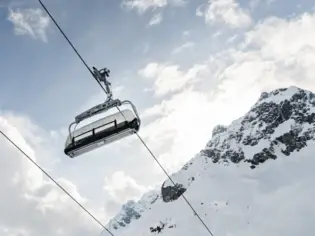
{"x": 101, "y": 76}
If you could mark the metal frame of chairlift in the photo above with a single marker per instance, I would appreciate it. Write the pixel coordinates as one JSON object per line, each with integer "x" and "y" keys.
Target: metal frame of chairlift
{"x": 96, "y": 140}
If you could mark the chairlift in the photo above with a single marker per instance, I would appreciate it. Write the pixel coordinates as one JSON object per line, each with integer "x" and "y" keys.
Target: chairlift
{"x": 103, "y": 131}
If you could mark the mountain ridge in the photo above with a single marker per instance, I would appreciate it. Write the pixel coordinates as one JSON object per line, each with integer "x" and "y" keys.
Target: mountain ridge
{"x": 280, "y": 123}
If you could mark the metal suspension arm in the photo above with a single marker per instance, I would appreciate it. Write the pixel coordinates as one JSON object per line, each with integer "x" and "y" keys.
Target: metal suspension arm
{"x": 102, "y": 75}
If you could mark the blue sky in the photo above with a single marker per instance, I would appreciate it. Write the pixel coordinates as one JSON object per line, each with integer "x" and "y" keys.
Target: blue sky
{"x": 107, "y": 34}
{"x": 204, "y": 63}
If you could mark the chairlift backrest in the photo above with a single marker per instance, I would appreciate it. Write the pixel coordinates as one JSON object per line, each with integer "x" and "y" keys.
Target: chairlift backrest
{"x": 118, "y": 117}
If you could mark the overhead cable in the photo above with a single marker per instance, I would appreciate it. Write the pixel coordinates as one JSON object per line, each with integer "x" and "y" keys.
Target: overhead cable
{"x": 142, "y": 141}
{"x": 52, "y": 179}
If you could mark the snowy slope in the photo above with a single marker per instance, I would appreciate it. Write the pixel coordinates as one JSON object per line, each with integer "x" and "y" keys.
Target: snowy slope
{"x": 255, "y": 177}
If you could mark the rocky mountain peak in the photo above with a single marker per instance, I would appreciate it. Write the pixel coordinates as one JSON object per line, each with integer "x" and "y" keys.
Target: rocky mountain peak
{"x": 282, "y": 119}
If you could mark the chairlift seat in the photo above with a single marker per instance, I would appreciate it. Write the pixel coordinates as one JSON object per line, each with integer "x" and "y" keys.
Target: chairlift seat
{"x": 101, "y": 132}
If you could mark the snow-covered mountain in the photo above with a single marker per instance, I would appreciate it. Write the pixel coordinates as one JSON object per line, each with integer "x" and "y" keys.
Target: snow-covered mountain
{"x": 254, "y": 177}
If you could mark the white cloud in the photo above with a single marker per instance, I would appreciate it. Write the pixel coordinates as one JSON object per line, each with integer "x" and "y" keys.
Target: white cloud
{"x": 182, "y": 128}
{"x": 276, "y": 32}
{"x": 277, "y": 53}
{"x": 225, "y": 11}
{"x": 150, "y": 70}
{"x": 29, "y": 203}
{"x": 187, "y": 45}
{"x": 269, "y": 60}
{"x": 156, "y": 19}
{"x": 169, "y": 78}
{"x": 123, "y": 188}
{"x": 32, "y": 22}
{"x": 143, "y": 5}
{"x": 45, "y": 142}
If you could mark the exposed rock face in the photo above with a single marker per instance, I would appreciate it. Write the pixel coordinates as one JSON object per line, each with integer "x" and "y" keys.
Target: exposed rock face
{"x": 218, "y": 130}
{"x": 129, "y": 214}
{"x": 172, "y": 193}
{"x": 280, "y": 107}
{"x": 132, "y": 210}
